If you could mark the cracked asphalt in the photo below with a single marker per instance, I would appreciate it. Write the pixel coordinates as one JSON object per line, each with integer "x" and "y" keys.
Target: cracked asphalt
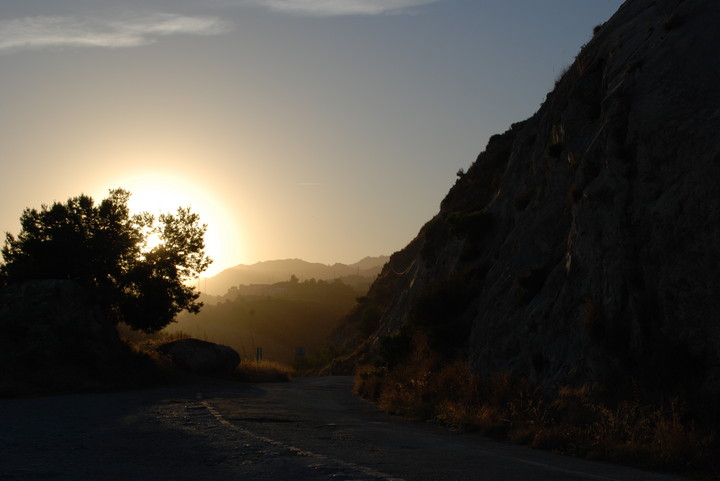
{"x": 306, "y": 430}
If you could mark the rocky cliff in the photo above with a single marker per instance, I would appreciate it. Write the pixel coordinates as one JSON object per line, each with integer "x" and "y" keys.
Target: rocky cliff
{"x": 583, "y": 244}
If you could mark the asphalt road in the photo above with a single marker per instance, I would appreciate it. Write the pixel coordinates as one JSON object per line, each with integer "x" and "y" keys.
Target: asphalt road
{"x": 307, "y": 430}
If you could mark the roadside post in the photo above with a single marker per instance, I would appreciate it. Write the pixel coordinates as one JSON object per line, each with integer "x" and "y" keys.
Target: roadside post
{"x": 299, "y": 354}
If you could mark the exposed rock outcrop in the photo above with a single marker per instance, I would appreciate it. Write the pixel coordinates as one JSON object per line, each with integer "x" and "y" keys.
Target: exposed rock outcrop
{"x": 201, "y": 357}
{"x": 583, "y": 244}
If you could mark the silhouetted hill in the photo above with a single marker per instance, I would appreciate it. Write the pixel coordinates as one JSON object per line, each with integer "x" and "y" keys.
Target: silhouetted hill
{"x": 270, "y": 272}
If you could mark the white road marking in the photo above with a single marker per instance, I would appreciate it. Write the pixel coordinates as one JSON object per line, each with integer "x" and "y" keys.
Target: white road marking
{"x": 386, "y": 477}
{"x": 302, "y": 452}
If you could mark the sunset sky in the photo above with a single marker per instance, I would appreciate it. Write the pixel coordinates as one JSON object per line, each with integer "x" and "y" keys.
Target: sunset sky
{"x": 326, "y": 130}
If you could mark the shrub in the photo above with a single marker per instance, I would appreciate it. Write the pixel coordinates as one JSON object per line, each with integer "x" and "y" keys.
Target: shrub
{"x": 263, "y": 371}
{"x": 369, "y": 319}
{"x": 529, "y": 283}
{"x": 434, "y": 233}
{"x": 578, "y": 420}
{"x": 393, "y": 348}
{"x": 439, "y": 310}
{"x": 470, "y": 225}
{"x": 321, "y": 358}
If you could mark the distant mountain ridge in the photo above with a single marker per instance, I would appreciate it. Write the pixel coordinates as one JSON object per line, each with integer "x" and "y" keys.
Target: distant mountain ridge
{"x": 270, "y": 272}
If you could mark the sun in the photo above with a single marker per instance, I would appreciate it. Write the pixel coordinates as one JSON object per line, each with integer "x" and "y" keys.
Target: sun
{"x": 158, "y": 193}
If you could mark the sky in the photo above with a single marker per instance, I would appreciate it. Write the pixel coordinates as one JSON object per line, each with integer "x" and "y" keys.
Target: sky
{"x": 326, "y": 130}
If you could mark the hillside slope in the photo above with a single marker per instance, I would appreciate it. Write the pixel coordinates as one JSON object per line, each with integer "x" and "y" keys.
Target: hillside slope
{"x": 582, "y": 246}
{"x": 279, "y": 318}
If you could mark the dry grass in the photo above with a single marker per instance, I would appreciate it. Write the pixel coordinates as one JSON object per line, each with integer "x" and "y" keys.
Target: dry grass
{"x": 369, "y": 382}
{"x": 148, "y": 342}
{"x": 263, "y": 371}
{"x": 577, "y": 421}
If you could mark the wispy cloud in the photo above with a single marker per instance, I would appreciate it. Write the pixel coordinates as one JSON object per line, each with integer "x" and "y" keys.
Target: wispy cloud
{"x": 343, "y": 7}
{"x": 75, "y": 31}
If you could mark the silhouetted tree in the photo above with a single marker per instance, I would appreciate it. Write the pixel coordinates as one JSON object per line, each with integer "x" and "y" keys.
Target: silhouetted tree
{"x": 106, "y": 250}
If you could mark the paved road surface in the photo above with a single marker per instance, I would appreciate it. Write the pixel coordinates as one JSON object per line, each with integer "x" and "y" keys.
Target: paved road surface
{"x": 310, "y": 429}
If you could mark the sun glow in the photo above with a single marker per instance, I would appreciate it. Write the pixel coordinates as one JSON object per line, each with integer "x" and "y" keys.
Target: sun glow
{"x": 159, "y": 193}
{"x": 152, "y": 241}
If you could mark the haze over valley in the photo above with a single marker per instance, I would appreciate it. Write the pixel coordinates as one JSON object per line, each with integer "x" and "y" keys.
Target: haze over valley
{"x": 280, "y": 306}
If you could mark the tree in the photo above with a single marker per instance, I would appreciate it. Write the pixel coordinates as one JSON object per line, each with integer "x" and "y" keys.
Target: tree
{"x": 106, "y": 250}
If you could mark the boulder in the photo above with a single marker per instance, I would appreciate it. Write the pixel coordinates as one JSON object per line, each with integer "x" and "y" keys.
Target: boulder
{"x": 201, "y": 357}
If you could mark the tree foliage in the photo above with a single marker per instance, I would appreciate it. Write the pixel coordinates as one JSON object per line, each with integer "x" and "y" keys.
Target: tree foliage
{"x": 109, "y": 252}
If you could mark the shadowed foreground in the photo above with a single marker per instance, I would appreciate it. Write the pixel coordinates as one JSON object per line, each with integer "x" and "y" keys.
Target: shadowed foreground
{"x": 310, "y": 429}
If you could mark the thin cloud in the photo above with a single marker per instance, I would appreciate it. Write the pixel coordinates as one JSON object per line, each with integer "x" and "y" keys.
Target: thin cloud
{"x": 326, "y": 8}
{"x": 73, "y": 31}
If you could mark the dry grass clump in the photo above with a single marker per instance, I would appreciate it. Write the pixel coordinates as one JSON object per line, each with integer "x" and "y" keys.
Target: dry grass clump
{"x": 653, "y": 436}
{"x": 369, "y": 382}
{"x": 145, "y": 342}
{"x": 263, "y": 371}
{"x": 146, "y": 346}
{"x": 416, "y": 387}
{"x": 580, "y": 421}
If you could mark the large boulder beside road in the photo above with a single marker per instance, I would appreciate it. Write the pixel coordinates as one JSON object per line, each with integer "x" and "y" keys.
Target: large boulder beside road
{"x": 201, "y": 357}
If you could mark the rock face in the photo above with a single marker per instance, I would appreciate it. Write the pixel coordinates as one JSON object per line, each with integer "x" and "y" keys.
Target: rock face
{"x": 201, "y": 357}
{"x": 583, "y": 245}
